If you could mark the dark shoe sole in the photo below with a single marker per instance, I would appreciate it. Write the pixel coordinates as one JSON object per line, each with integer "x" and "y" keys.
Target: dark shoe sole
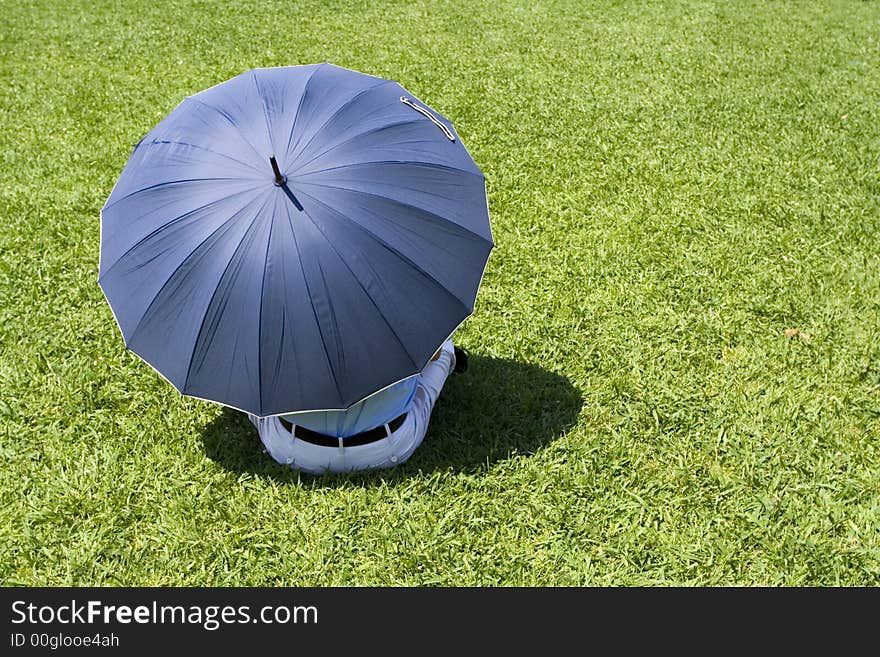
{"x": 461, "y": 360}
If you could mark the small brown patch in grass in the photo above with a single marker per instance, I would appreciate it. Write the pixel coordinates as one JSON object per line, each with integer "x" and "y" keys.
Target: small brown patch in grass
{"x": 792, "y": 333}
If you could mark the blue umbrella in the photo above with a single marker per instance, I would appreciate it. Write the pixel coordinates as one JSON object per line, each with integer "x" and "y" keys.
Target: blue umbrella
{"x": 295, "y": 238}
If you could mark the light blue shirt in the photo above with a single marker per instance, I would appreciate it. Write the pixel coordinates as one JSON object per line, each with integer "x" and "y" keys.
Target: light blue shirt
{"x": 375, "y": 410}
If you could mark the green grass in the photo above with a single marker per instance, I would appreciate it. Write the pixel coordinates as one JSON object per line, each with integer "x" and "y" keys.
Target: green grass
{"x": 673, "y": 186}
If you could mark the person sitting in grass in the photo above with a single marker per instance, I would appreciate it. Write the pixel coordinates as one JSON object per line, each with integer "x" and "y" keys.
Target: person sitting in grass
{"x": 380, "y": 431}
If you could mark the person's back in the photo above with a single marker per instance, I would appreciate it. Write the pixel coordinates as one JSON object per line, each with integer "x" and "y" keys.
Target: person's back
{"x": 380, "y": 431}
{"x": 369, "y": 413}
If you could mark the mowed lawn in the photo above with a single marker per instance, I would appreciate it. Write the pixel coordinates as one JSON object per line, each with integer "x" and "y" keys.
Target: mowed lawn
{"x": 675, "y": 372}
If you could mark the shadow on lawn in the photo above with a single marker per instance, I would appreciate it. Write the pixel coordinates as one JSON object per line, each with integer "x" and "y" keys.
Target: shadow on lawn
{"x": 497, "y": 409}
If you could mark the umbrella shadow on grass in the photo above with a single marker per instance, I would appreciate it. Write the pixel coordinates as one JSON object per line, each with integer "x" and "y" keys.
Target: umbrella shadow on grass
{"x": 498, "y": 409}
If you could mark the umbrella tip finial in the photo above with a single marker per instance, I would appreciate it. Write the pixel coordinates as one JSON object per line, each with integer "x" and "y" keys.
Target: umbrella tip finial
{"x": 279, "y": 179}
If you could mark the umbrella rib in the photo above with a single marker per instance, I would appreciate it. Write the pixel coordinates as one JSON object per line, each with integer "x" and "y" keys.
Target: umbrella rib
{"x": 158, "y": 141}
{"x": 260, "y": 315}
{"x": 429, "y": 165}
{"x": 229, "y": 119}
{"x": 216, "y": 289}
{"x": 162, "y": 184}
{"x": 153, "y": 232}
{"x": 277, "y": 370}
{"x": 263, "y": 105}
{"x": 339, "y": 109}
{"x": 168, "y": 280}
{"x": 396, "y": 252}
{"x": 299, "y": 105}
{"x": 353, "y": 137}
{"x": 396, "y": 202}
{"x": 309, "y": 291}
{"x": 347, "y": 266}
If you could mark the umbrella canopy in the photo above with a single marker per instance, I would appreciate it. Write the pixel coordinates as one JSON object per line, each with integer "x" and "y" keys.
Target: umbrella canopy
{"x": 295, "y": 238}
